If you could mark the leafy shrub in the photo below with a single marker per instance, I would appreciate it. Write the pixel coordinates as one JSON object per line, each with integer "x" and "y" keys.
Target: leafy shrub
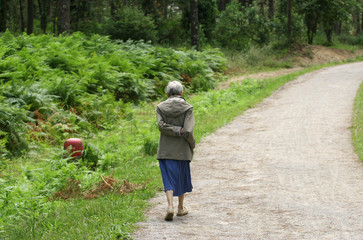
{"x": 150, "y": 145}
{"x": 280, "y": 34}
{"x": 91, "y": 155}
{"x": 131, "y": 23}
{"x": 351, "y": 40}
{"x": 73, "y": 85}
{"x": 12, "y": 128}
{"x": 238, "y": 27}
{"x": 171, "y": 32}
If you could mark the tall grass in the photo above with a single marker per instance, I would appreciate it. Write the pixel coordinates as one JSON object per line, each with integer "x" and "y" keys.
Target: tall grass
{"x": 124, "y": 148}
{"x": 357, "y": 127}
{"x": 126, "y": 152}
{"x": 256, "y": 59}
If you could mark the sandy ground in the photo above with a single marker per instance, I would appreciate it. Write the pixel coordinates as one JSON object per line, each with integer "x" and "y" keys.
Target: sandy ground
{"x": 283, "y": 170}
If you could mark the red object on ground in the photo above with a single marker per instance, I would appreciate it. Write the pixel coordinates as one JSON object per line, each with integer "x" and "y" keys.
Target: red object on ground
{"x": 77, "y": 146}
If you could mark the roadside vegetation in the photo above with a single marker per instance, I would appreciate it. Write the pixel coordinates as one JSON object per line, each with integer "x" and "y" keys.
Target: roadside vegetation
{"x": 45, "y": 193}
{"x": 357, "y": 128}
{"x": 98, "y": 76}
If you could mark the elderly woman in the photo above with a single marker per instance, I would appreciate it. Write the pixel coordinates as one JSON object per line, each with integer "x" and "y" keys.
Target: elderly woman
{"x": 176, "y": 122}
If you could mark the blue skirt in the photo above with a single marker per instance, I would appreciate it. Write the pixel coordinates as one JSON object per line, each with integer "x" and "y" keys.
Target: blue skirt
{"x": 176, "y": 176}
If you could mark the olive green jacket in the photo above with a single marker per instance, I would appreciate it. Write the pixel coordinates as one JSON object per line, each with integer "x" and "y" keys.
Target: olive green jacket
{"x": 172, "y": 115}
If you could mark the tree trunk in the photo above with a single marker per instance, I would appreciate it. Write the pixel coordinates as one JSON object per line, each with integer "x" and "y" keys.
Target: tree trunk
{"x": 222, "y": 4}
{"x": 113, "y": 6}
{"x": 194, "y": 23}
{"x": 262, "y": 7}
{"x": 271, "y": 9}
{"x": 3, "y": 16}
{"x": 29, "y": 29}
{"x": 338, "y": 27}
{"x": 243, "y": 2}
{"x": 358, "y": 19}
{"x": 22, "y": 25}
{"x": 165, "y": 9}
{"x": 362, "y": 21}
{"x": 55, "y": 16}
{"x": 289, "y": 19}
{"x": 63, "y": 16}
{"x": 78, "y": 14}
{"x": 43, "y": 5}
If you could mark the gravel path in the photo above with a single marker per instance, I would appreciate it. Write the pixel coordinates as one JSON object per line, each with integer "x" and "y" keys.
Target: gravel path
{"x": 283, "y": 170}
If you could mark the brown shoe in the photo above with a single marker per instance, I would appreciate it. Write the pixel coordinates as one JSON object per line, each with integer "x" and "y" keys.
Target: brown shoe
{"x": 169, "y": 214}
{"x": 182, "y": 212}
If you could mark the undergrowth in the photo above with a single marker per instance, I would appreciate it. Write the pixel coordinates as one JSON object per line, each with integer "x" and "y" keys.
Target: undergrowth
{"x": 69, "y": 85}
{"x": 30, "y": 207}
{"x": 357, "y": 127}
{"x": 44, "y": 192}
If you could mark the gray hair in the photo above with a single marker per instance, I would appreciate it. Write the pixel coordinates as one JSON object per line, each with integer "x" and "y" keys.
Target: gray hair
{"x": 174, "y": 88}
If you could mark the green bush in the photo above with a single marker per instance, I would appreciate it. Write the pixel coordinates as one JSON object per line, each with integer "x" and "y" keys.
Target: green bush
{"x": 12, "y": 128}
{"x": 351, "y": 40}
{"x": 71, "y": 85}
{"x": 131, "y": 23}
{"x": 239, "y": 27}
{"x": 280, "y": 34}
{"x": 171, "y": 32}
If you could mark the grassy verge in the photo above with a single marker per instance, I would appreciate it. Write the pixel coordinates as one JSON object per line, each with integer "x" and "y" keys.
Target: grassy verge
{"x": 357, "y": 128}
{"x": 129, "y": 153}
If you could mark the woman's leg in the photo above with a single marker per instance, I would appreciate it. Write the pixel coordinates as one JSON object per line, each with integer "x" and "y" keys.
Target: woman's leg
{"x": 170, "y": 211}
{"x": 169, "y": 197}
{"x": 181, "y": 209}
{"x": 181, "y": 200}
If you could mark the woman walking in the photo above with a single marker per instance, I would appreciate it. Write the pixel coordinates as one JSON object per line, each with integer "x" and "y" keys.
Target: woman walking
{"x": 176, "y": 122}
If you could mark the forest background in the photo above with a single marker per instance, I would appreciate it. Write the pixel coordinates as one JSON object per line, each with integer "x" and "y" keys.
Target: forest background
{"x": 95, "y": 70}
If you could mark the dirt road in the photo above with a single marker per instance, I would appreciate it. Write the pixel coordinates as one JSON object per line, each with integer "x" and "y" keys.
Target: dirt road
{"x": 283, "y": 170}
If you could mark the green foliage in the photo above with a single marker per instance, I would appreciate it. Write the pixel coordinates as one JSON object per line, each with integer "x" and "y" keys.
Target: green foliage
{"x": 90, "y": 156}
{"x": 171, "y": 32}
{"x": 207, "y": 14}
{"x": 126, "y": 151}
{"x": 256, "y": 59}
{"x": 52, "y": 89}
{"x": 131, "y": 23}
{"x": 357, "y": 127}
{"x": 238, "y": 27}
{"x": 280, "y": 34}
{"x": 73, "y": 85}
{"x": 12, "y": 128}
{"x": 326, "y": 13}
{"x": 351, "y": 40}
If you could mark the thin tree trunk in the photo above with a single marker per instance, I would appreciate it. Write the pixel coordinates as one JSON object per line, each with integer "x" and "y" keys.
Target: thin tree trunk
{"x": 78, "y": 16}
{"x": 29, "y": 29}
{"x": 63, "y": 16}
{"x": 55, "y": 16}
{"x": 222, "y": 4}
{"x": 338, "y": 27}
{"x": 22, "y": 26}
{"x": 165, "y": 9}
{"x": 262, "y": 7}
{"x": 112, "y": 8}
{"x": 43, "y": 4}
{"x": 289, "y": 19}
{"x": 271, "y": 9}
{"x": 3, "y": 16}
{"x": 358, "y": 19}
{"x": 194, "y": 24}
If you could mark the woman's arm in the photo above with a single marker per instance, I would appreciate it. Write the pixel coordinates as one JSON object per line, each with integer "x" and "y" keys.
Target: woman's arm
{"x": 188, "y": 128}
{"x": 165, "y": 128}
